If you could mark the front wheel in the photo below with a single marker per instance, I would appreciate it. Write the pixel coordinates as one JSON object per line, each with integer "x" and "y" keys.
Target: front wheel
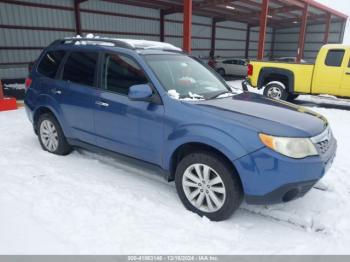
{"x": 208, "y": 186}
{"x": 276, "y": 91}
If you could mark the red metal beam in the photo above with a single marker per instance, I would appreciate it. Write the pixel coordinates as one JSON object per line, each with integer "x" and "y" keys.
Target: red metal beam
{"x": 302, "y": 33}
{"x": 161, "y": 26}
{"x": 328, "y": 24}
{"x": 77, "y": 17}
{"x": 187, "y": 26}
{"x": 247, "y": 41}
{"x": 213, "y": 38}
{"x": 262, "y": 31}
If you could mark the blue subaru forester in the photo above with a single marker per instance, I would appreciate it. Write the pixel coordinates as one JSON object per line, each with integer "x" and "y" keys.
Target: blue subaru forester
{"x": 151, "y": 102}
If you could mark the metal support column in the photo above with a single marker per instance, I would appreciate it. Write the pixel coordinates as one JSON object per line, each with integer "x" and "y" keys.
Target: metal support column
{"x": 302, "y": 33}
{"x": 262, "y": 31}
{"x": 187, "y": 25}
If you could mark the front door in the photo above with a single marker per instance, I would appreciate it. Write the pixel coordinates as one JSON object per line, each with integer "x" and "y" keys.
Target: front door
{"x": 345, "y": 85}
{"x": 133, "y": 128}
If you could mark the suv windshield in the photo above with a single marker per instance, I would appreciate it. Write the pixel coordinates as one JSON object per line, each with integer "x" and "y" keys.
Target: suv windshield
{"x": 185, "y": 78}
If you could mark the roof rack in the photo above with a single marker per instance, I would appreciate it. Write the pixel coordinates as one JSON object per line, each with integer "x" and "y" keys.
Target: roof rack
{"x": 124, "y": 43}
{"x": 95, "y": 40}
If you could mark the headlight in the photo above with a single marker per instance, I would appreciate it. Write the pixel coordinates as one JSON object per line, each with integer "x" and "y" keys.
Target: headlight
{"x": 289, "y": 146}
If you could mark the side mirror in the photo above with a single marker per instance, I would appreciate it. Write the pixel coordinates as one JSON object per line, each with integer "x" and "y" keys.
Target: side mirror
{"x": 140, "y": 93}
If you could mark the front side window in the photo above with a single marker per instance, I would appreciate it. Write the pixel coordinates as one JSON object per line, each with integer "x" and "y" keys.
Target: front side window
{"x": 50, "y": 62}
{"x": 183, "y": 77}
{"x": 335, "y": 57}
{"x": 119, "y": 73}
{"x": 80, "y": 68}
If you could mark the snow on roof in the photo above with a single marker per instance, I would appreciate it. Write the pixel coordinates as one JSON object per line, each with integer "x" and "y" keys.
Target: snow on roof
{"x": 134, "y": 43}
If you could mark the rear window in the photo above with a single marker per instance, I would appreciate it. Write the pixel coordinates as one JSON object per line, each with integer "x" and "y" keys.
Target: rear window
{"x": 80, "y": 68}
{"x": 50, "y": 62}
{"x": 335, "y": 57}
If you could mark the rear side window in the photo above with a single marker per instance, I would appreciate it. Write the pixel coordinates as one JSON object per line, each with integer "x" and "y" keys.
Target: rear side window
{"x": 335, "y": 57}
{"x": 80, "y": 68}
{"x": 120, "y": 72}
{"x": 50, "y": 62}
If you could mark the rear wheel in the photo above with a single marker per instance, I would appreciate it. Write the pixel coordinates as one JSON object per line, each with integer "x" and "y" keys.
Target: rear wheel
{"x": 208, "y": 186}
{"x": 51, "y": 136}
{"x": 276, "y": 91}
{"x": 221, "y": 71}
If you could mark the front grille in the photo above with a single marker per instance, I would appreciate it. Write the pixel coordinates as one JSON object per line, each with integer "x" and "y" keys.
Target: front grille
{"x": 323, "y": 146}
{"x": 323, "y": 141}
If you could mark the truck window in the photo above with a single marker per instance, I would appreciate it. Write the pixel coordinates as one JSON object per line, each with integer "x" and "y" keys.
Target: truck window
{"x": 335, "y": 57}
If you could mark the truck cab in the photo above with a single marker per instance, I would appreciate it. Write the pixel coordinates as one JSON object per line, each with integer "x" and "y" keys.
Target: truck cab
{"x": 329, "y": 75}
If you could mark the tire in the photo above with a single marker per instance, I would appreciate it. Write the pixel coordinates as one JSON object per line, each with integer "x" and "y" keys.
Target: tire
{"x": 292, "y": 97}
{"x": 221, "y": 71}
{"x": 229, "y": 185}
{"x": 49, "y": 128}
{"x": 276, "y": 91}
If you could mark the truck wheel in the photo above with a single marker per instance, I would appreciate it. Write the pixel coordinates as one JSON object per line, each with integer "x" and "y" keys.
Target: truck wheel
{"x": 51, "y": 136}
{"x": 221, "y": 71}
{"x": 276, "y": 91}
{"x": 208, "y": 186}
{"x": 291, "y": 97}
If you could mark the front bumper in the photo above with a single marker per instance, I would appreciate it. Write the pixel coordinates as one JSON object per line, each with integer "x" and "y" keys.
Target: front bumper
{"x": 269, "y": 177}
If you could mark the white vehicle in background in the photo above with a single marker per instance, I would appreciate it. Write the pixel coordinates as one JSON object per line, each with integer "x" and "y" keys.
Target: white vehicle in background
{"x": 289, "y": 60}
{"x": 233, "y": 66}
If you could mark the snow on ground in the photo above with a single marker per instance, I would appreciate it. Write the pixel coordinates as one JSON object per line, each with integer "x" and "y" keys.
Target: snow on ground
{"x": 88, "y": 203}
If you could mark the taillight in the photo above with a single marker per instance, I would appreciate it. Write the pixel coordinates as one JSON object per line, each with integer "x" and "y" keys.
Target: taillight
{"x": 250, "y": 70}
{"x": 28, "y": 82}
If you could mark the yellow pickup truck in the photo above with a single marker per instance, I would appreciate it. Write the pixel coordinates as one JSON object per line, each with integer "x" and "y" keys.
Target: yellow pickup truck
{"x": 329, "y": 75}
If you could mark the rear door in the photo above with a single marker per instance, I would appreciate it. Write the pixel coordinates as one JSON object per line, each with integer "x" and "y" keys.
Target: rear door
{"x": 77, "y": 96}
{"x": 345, "y": 85}
{"x": 329, "y": 72}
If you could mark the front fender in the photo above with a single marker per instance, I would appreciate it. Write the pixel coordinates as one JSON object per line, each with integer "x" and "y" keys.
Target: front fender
{"x": 211, "y": 136}
{"x": 45, "y": 101}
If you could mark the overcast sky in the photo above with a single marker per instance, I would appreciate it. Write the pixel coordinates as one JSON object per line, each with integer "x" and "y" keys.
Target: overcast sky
{"x": 344, "y": 7}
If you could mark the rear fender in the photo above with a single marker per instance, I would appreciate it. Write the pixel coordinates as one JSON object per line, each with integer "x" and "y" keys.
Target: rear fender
{"x": 45, "y": 101}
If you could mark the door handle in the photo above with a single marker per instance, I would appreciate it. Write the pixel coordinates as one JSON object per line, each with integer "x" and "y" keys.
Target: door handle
{"x": 347, "y": 73}
{"x": 100, "y": 103}
{"x": 56, "y": 92}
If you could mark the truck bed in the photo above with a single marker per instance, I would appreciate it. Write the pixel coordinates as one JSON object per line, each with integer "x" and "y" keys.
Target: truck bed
{"x": 303, "y": 73}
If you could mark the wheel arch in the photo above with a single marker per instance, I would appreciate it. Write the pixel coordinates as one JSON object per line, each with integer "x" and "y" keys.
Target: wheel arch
{"x": 184, "y": 149}
{"x": 43, "y": 109}
{"x": 270, "y": 74}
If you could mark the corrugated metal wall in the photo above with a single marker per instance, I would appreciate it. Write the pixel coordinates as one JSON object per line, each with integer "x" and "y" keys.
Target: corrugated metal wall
{"x": 28, "y": 27}
{"x": 286, "y": 41}
{"x": 35, "y": 24}
{"x": 254, "y": 41}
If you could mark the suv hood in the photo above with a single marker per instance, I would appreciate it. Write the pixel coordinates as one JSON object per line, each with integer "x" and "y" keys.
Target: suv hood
{"x": 267, "y": 115}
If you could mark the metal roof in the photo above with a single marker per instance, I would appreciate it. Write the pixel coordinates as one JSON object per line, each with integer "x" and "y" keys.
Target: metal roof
{"x": 282, "y": 13}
